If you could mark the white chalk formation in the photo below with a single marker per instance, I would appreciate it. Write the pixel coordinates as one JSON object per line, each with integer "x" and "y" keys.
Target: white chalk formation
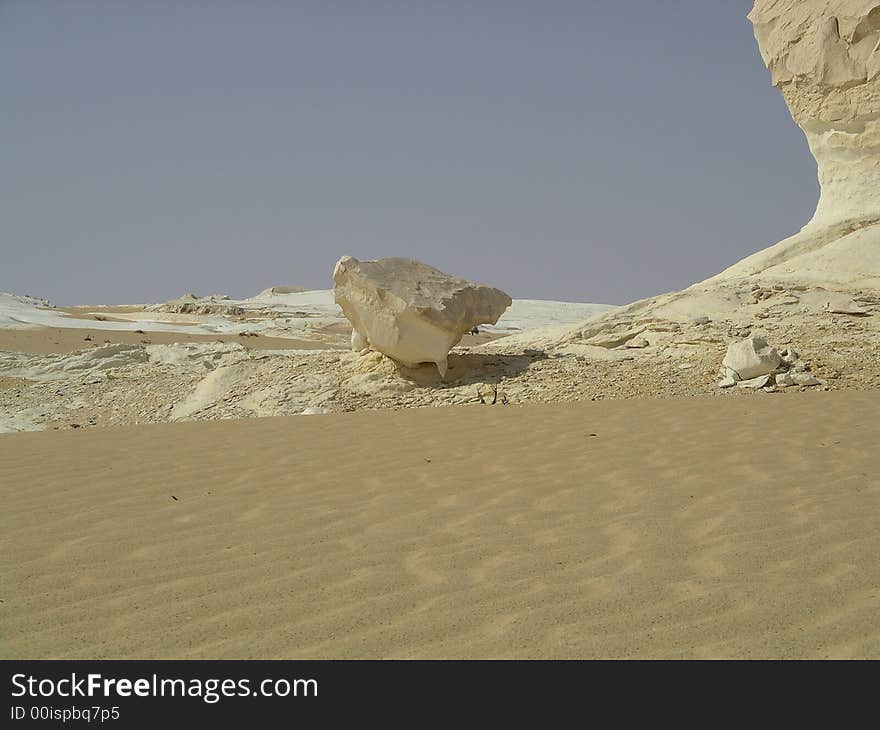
{"x": 189, "y": 303}
{"x": 824, "y": 56}
{"x": 409, "y": 311}
{"x": 280, "y": 291}
{"x": 752, "y": 363}
{"x": 750, "y": 358}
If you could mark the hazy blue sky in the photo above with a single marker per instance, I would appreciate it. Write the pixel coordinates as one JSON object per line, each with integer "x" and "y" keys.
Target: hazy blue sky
{"x": 587, "y": 151}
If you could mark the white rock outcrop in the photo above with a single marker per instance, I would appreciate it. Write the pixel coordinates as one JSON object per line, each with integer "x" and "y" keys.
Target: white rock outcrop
{"x": 750, "y": 358}
{"x": 409, "y": 311}
{"x": 56, "y": 366}
{"x": 191, "y": 304}
{"x": 752, "y": 363}
{"x": 277, "y": 291}
{"x": 823, "y": 56}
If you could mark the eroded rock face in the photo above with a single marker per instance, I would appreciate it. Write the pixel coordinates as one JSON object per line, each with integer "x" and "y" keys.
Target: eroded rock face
{"x": 410, "y": 311}
{"x": 823, "y": 56}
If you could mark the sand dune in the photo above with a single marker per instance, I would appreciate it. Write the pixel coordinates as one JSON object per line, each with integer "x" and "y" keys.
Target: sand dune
{"x": 679, "y": 528}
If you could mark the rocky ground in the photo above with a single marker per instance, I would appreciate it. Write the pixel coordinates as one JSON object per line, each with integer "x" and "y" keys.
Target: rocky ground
{"x": 621, "y": 357}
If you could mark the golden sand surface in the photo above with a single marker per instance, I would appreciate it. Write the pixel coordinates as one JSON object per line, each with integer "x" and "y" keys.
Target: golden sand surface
{"x": 698, "y": 527}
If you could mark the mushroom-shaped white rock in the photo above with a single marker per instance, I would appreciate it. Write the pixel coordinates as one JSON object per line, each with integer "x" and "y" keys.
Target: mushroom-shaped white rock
{"x": 410, "y": 311}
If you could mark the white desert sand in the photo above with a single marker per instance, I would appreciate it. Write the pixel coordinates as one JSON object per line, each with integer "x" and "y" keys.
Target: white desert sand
{"x": 60, "y": 340}
{"x": 682, "y": 528}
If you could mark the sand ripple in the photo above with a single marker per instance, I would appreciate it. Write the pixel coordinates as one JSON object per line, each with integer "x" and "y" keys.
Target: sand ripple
{"x": 683, "y": 528}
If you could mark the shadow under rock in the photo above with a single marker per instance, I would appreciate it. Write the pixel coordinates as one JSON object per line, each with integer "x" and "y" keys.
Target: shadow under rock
{"x": 471, "y": 368}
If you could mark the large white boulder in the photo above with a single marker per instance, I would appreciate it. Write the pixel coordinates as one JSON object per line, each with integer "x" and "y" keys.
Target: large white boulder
{"x": 750, "y": 358}
{"x": 410, "y": 311}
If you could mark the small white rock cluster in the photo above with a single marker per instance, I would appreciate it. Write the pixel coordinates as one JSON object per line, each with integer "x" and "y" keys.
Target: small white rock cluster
{"x": 752, "y": 363}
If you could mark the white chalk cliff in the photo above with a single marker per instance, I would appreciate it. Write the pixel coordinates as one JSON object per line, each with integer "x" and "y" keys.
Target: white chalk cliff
{"x": 409, "y": 311}
{"x": 824, "y": 56}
